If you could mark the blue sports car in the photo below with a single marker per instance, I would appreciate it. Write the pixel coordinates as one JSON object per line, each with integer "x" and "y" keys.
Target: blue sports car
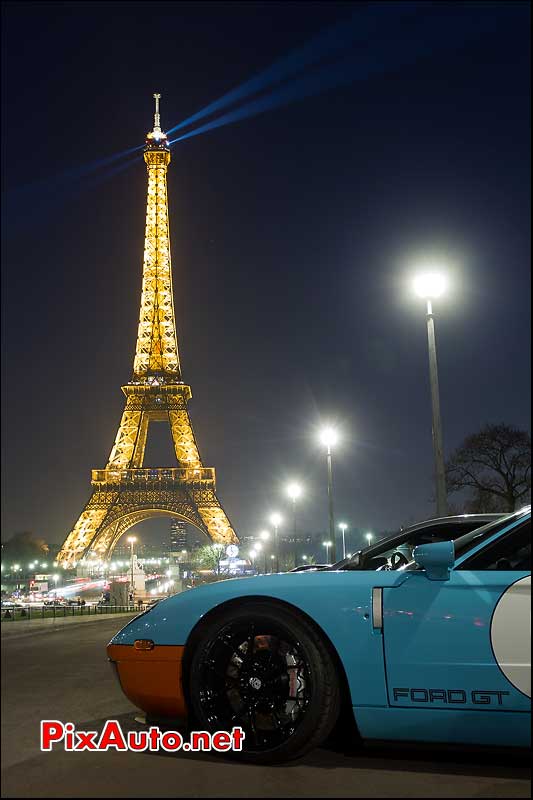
{"x": 436, "y": 650}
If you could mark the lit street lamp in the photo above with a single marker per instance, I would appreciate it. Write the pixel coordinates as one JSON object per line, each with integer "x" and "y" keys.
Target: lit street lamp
{"x": 429, "y": 286}
{"x": 329, "y": 438}
{"x": 369, "y": 536}
{"x": 275, "y": 521}
{"x": 218, "y": 547}
{"x": 272, "y": 562}
{"x": 343, "y": 526}
{"x": 265, "y": 536}
{"x": 327, "y": 545}
{"x": 294, "y": 491}
{"x": 132, "y": 540}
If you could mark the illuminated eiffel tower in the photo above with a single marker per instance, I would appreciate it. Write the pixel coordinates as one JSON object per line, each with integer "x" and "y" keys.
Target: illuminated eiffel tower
{"x": 124, "y": 493}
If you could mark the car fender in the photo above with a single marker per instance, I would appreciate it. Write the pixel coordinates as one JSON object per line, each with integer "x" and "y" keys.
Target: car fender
{"x": 339, "y": 603}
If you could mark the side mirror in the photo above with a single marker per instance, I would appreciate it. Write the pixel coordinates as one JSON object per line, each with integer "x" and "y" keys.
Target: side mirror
{"x": 436, "y": 559}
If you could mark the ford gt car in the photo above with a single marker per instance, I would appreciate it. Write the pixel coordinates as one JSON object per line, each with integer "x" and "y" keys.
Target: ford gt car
{"x": 435, "y": 650}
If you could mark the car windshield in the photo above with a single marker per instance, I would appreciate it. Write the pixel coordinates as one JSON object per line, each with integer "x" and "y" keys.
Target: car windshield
{"x": 470, "y": 540}
{"x": 397, "y": 550}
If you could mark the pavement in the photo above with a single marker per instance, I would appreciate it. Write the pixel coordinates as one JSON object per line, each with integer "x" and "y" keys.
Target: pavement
{"x": 65, "y": 676}
{"x": 30, "y": 627}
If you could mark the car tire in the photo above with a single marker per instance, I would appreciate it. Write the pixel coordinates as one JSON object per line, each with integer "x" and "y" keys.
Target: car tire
{"x": 300, "y": 684}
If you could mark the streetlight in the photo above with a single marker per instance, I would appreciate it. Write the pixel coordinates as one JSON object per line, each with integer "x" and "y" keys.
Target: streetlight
{"x": 429, "y": 286}
{"x": 218, "y": 547}
{"x": 329, "y": 438}
{"x": 343, "y": 526}
{"x": 369, "y": 536}
{"x": 275, "y": 521}
{"x": 265, "y": 536}
{"x": 294, "y": 491}
{"x": 327, "y": 545}
{"x": 272, "y": 562}
{"x": 258, "y": 546}
{"x": 132, "y": 540}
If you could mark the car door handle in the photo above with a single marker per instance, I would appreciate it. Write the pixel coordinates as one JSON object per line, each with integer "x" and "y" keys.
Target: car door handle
{"x": 377, "y": 608}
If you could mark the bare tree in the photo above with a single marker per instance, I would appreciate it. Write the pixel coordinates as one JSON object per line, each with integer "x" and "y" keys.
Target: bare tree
{"x": 496, "y": 464}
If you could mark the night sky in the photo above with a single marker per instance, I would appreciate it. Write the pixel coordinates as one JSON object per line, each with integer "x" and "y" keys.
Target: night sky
{"x": 294, "y": 236}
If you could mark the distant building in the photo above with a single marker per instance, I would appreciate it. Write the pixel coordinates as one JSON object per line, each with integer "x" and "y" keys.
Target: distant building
{"x": 178, "y": 536}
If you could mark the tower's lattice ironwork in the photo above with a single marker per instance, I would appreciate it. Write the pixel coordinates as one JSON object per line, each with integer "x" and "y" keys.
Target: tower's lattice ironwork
{"x": 124, "y": 493}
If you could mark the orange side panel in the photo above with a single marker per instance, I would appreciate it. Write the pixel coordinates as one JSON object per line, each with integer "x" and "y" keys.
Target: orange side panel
{"x": 151, "y": 679}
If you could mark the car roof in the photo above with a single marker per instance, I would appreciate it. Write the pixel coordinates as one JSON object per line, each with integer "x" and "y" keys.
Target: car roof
{"x": 450, "y": 520}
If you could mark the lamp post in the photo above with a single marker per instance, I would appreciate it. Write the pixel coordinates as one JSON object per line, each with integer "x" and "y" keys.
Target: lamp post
{"x": 369, "y": 536}
{"x": 275, "y": 521}
{"x": 218, "y": 547}
{"x": 258, "y": 546}
{"x": 132, "y": 540}
{"x": 272, "y": 558}
{"x": 329, "y": 438}
{"x": 429, "y": 286}
{"x": 294, "y": 491}
{"x": 327, "y": 545}
{"x": 343, "y": 526}
{"x": 264, "y": 536}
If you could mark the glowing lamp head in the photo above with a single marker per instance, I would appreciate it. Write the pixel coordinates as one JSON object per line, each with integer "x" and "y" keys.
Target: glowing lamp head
{"x": 430, "y": 285}
{"x": 328, "y": 436}
{"x": 265, "y": 535}
{"x": 275, "y": 519}
{"x": 294, "y": 490}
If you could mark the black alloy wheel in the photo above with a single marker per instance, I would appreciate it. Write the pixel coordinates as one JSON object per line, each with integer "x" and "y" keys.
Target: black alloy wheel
{"x": 267, "y": 670}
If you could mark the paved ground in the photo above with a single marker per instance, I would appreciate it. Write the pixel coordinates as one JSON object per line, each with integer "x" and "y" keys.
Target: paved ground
{"x": 63, "y": 674}
{"x": 29, "y": 627}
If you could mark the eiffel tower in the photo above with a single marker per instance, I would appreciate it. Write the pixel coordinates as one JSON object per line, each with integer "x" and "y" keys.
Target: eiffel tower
{"x": 124, "y": 493}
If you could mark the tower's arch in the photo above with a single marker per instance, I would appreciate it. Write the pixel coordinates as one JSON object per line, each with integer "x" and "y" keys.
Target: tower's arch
{"x": 110, "y": 536}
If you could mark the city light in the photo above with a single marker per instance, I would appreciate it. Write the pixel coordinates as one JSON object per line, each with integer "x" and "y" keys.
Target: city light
{"x": 265, "y": 535}
{"x": 328, "y": 436}
{"x": 276, "y": 520}
{"x": 294, "y": 491}
{"x": 430, "y": 285}
{"x": 343, "y": 526}
{"x": 369, "y": 536}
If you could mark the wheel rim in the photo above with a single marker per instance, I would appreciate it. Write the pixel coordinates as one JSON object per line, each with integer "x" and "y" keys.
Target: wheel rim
{"x": 255, "y": 676}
